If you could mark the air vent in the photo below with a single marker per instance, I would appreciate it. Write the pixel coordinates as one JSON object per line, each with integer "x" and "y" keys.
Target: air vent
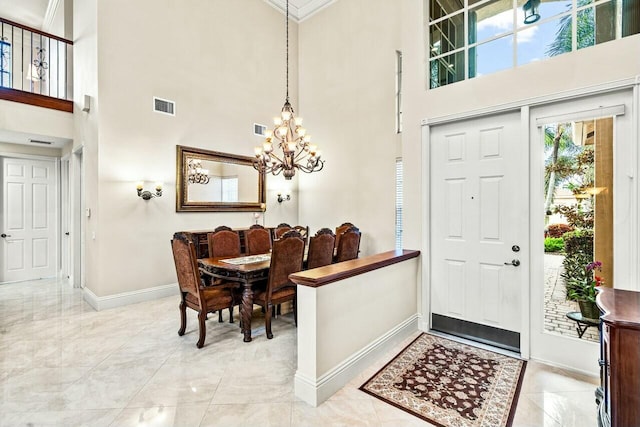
{"x": 164, "y": 106}
{"x": 259, "y": 129}
{"x": 37, "y": 141}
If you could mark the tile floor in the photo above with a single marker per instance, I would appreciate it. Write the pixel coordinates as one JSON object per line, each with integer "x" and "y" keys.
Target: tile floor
{"x": 64, "y": 364}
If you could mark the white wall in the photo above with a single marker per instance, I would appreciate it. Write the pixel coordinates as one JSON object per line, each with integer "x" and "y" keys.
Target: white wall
{"x": 222, "y": 62}
{"x": 347, "y": 94}
{"x": 29, "y": 119}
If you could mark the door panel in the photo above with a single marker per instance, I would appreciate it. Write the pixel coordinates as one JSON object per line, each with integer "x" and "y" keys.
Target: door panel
{"x": 476, "y": 180}
{"x": 29, "y": 212}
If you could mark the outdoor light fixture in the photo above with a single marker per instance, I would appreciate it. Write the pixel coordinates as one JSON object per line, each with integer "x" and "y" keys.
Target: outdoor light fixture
{"x": 531, "y": 11}
{"x": 290, "y": 137}
{"x": 146, "y": 194}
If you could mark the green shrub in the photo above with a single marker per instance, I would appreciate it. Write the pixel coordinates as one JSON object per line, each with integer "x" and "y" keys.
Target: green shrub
{"x": 578, "y": 246}
{"x": 553, "y": 244}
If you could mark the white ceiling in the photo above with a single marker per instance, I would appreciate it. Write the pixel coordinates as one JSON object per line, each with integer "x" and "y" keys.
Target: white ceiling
{"x": 26, "y": 12}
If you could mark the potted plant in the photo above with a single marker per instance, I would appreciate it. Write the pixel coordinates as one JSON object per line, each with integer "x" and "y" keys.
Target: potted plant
{"x": 582, "y": 288}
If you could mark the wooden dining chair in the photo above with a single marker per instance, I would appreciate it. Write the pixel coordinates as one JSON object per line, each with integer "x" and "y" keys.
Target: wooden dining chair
{"x": 258, "y": 240}
{"x": 286, "y": 258}
{"x": 224, "y": 242}
{"x": 280, "y": 230}
{"x": 321, "y": 248}
{"x": 192, "y": 293}
{"x": 349, "y": 245}
{"x": 340, "y": 231}
{"x": 304, "y": 232}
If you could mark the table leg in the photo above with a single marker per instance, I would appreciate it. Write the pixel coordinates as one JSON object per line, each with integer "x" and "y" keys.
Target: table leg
{"x": 247, "y": 311}
{"x": 581, "y": 329}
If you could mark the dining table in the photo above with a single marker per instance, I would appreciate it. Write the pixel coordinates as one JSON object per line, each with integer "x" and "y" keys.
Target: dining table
{"x": 245, "y": 270}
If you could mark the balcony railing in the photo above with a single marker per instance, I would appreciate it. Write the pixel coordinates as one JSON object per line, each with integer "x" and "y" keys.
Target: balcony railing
{"x": 35, "y": 67}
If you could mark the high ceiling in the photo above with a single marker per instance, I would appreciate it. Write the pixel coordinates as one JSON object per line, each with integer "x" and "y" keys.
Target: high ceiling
{"x": 27, "y": 12}
{"x": 32, "y": 12}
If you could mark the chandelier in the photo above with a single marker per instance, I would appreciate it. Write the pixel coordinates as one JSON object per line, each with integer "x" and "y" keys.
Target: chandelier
{"x": 290, "y": 137}
{"x": 195, "y": 173}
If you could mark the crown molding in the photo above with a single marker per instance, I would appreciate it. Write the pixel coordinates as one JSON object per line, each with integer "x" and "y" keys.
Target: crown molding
{"x": 52, "y": 8}
{"x": 299, "y": 10}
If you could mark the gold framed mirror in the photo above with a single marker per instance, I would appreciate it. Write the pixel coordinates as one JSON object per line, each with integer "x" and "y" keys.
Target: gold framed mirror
{"x": 210, "y": 181}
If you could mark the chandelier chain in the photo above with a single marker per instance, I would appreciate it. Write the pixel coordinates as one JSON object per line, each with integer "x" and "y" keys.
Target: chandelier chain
{"x": 288, "y": 135}
{"x": 287, "y": 27}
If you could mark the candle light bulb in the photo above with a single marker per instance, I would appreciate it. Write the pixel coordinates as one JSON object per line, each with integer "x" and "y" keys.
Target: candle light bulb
{"x": 286, "y": 115}
{"x": 282, "y": 131}
{"x": 257, "y": 151}
{"x": 268, "y": 134}
{"x": 267, "y": 147}
{"x": 302, "y": 131}
{"x": 277, "y": 121}
{"x": 307, "y": 138}
{"x": 158, "y": 186}
{"x": 139, "y": 185}
{"x": 298, "y": 121}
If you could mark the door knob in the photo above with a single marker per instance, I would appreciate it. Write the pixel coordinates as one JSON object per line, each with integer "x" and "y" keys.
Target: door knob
{"x": 66, "y": 234}
{"x": 514, "y": 262}
{"x": 5, "y": 235}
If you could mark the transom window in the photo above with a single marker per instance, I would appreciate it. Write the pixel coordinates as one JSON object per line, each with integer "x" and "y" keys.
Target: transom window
{"x": 470, "y": 38}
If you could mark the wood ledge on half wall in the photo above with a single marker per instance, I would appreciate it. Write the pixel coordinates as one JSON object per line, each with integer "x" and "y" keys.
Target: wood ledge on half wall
{"x": 342, "y": 270}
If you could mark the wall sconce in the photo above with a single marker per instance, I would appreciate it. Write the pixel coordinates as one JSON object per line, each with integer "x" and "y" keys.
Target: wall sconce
{"x": 146, "y": 194}
{"x": 284, "y": 198}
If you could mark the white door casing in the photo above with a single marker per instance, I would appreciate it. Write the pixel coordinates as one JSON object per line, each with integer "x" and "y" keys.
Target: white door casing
{"x": 479, "y": 201}
{"x": 547, "y": 346}
{"x": 28, "y": 250}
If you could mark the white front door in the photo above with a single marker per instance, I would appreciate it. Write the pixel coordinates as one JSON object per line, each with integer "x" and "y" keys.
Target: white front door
{"x": 479, "y": 222}
{"x": 28, "y": 244}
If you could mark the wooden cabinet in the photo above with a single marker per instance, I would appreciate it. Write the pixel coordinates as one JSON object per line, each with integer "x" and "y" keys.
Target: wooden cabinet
{"x": 619, "y": 392}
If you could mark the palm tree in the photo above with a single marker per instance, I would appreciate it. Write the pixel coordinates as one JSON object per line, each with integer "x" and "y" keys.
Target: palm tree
{"x": 586, "y": 31}
{"x": 560, "y": 164}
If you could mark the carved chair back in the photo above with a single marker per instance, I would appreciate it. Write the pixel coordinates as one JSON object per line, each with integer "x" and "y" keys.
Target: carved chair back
{"x": 341, "y": 230}
{"x": 184, "y": 256}
{"x": 304, "y": 232}
{"x": 321, "y": 248}
{"x": 280, "y": 230}
{"x": 286, "y": 258}
{"x": 224, "y": 243}
{"x": 258, "y": 241}
{"x": 349, "y": 245}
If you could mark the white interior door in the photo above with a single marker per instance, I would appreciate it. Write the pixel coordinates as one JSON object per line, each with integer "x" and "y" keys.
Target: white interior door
{"x": 478, "y": 189}
{"x": 28, "y": 241}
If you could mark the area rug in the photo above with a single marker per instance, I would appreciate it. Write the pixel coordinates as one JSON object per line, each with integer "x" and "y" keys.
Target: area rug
{"x": 450, "y": 384}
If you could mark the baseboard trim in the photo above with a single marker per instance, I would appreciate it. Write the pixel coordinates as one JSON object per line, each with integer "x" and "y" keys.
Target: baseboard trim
{"x": 126, "y": 298}
{"x": 314, "y": 391}
{"x": 595, "y": 373}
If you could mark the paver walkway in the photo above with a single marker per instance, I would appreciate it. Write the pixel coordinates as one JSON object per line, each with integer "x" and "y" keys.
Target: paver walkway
{"x": 556, "y": 304}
